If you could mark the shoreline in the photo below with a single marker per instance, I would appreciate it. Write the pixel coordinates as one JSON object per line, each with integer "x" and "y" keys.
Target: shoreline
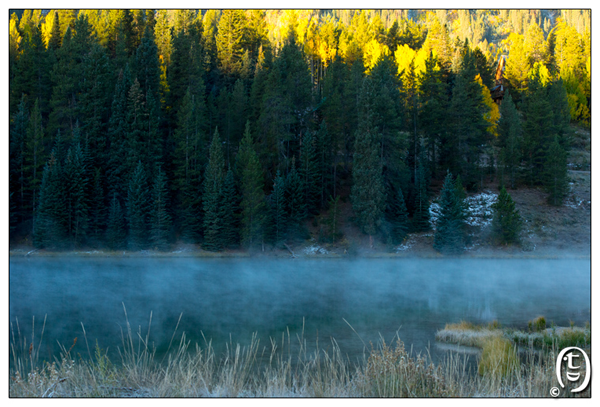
{"x": 284, "y": 254}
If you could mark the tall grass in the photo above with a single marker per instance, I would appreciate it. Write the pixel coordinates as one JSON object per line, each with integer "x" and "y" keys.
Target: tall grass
{"x": 280, "y": 368}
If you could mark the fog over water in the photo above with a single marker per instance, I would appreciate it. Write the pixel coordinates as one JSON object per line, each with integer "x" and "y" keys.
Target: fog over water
{"x": 233, "y": 298}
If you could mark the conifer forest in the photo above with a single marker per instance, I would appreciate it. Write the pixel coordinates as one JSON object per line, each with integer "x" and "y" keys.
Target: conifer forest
{"x": 245, "y": 129}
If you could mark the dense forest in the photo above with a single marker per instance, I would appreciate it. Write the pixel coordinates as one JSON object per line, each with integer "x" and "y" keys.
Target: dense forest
{"x": 139, "y": 129}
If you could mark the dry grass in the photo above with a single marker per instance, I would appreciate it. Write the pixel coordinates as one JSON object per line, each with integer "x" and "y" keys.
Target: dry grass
{"x": 283, "y": 368}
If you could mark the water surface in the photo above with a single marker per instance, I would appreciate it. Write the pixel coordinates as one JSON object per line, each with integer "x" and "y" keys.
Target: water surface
{"x": 354, "y": 301}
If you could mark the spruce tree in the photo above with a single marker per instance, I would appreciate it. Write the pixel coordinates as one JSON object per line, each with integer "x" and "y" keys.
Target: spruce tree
{"x": 507, "y": 223}
{"x": 296, "y": 204}
{"x": 115, "y": 230}
{"x": 229, "y": 41}
{"x": 509, "y": 141}
{"x": 229, "y": 211}
{"x": 278, "y": 216}
{"x": 368, "y": 192}
{"x": 252, "y": 204}
{"x": 397, "y": 217}
{"x": 309, "y": 172}
{"x": 77, "y": 205}
{"x": 212, "y": 196}
{"x": 160, "y": 226}
{"x": 97, "y": 212}
{"x": 421, "y": 216}
{"x": 49, "y": 230}
{"x": 137, "y": 208}
{"x": 333, "y": 219}
{"x": 555, "y": 174}
{"x": 450, "y": 234}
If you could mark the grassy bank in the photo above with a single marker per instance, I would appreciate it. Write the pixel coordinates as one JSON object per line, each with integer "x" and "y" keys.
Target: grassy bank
{"x": 267, "y": 370}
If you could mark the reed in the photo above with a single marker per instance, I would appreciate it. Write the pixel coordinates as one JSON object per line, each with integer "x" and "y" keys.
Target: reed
{"x": 280, "y": 368}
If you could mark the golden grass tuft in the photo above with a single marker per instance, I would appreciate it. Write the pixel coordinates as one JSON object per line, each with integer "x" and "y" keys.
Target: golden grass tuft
{"x": 499, "y": 357}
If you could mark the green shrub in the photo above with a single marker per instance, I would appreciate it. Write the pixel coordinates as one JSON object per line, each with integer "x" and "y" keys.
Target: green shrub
{"x": 537, "y": 325}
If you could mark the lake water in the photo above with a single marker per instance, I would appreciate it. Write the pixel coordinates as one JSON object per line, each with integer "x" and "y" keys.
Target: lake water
{"x": 230, "y": 299}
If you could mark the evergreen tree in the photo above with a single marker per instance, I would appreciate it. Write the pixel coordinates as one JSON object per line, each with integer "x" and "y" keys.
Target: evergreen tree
{"x": 397, "y": 217}
{"x": 35, "y": 156}
{"x": 117, "y": 171}
{"x": 555, "y": 174}
{"x": 18, "y": 175}
{"x": 76, "y": 181}
{"x": 94, "y": 105}
{"x": 49, "y": 229}
{"x": 252, "y": 203}
{"x": 537, "y": 130}
{"x": 333, "y": 219}
{"x": 367, "y": 193}
{"x": 137, "y": 208}
{"x": 212, "y": 197}
{"x": 115, "y": 231}
{"x": 468, "y": 136}
{"x": 421, "y": 216}
{"x": 279, "y": 217}
{"x": 450, "y": 231}
{"x": 97, "y": 211}
{"x": 507, "y": 223}
{"x": 433, "y": 112}
{"x": 229, "y": 211}
{"x": 161, "y": 218}
{"x": 229, "y": 41}
{"x": 296, "y": 204}
{"x": 190, "y": 140}
{"x": 509, "y": 140}
{"x": 309, "y": 172}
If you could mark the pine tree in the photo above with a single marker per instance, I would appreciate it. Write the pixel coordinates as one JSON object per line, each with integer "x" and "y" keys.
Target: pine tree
{"x": 212, "y": 196}
{"x": 333, "y": 219}
{"x": 555, "y": 174}
{"x": 160, "y": 227}
{"x": 367, "y": 193}
{"x": 421, "y": 216}
{"x": 252, "y": 203}
{"x": 507, "y": 223}
{"x": 117, "y": 171}
{"x": 76, "y": 181}
{"x": 17, "y": 152}
{"x": 296, "y": 204}
{"x": 450, "y": 231}
{"x": 397, "y": 217}
{"x": 115, "y": 231}
{"x": 278, "y": 216}
{"x": 468, "y": 135}
{"x": 137, "y": 208}
{"x": 229, "y": 41}
{"x": 433, "y": 111}
{"x": 49, "y": 230}
{"x": 97, "y": 211}
{"x": 229, "y": 211}
{"x": 509, "y": 140}
{"x": 309, "y": 172}
{"x": 35, "y": 156}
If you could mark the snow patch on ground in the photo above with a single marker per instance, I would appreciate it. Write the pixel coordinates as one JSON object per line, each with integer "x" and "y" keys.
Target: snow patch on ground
{"x": 407, "y": 244}
{"x": 479, "y": 209}
{"x": 315, "y": 249}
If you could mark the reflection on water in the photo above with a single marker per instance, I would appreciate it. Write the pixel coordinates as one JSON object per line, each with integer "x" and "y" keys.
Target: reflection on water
{"x": 357, "y": 302}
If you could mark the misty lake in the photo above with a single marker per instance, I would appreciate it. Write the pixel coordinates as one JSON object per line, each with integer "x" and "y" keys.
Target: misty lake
{"x": 230, "y": 299}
